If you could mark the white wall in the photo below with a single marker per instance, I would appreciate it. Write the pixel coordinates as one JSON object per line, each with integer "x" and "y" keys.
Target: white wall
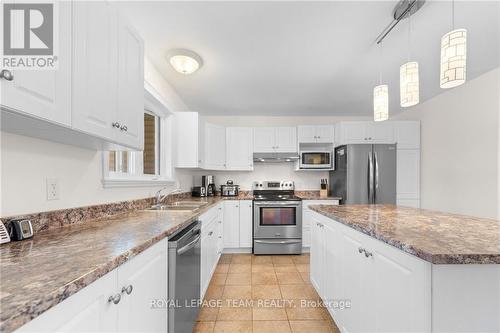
{"x": 27, "y": 162}
{"x": 460, "y": 148}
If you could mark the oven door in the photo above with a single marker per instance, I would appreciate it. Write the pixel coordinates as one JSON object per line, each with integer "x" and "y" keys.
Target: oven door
{"x": 277, "y": 219}
{"x": 315, "y": 160}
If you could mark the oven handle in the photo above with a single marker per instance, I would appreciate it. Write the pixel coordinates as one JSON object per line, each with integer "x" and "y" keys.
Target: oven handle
{"x": 278, "y": 242}
{"x": 278, "y": 203}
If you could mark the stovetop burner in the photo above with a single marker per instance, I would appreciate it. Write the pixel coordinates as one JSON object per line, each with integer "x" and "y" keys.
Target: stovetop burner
{"x": 275, "y": 196}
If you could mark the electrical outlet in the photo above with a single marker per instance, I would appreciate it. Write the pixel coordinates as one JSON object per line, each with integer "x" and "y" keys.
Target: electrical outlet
{"x": 52, "y": 189}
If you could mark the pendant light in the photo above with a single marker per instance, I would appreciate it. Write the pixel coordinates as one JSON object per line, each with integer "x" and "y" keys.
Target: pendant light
{"x": 381, "y": 98}
{"x": 408, "y": 79}
{"x": 453, "y": 55}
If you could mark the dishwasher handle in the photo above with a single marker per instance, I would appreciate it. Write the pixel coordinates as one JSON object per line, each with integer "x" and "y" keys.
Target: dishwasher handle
{"x": 189, "y": 245}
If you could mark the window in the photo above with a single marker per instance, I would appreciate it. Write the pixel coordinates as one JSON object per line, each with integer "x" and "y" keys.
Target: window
{"x": 153, "y": 165}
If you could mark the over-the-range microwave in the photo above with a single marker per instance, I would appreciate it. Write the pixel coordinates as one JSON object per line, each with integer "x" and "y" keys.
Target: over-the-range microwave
{"x": 316, "y": 160}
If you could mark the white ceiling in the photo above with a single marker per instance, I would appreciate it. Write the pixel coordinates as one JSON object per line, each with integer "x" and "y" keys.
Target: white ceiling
{"x": 306, "y": 58}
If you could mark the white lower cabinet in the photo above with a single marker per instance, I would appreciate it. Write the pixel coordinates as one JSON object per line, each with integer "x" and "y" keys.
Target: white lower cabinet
{"x": 133, "y": 286}
{"x": 387, "y": 289}
{"x": 307, "y": 218}
{"x": 246, "y": 223}
{"x": 238, "y": 224}
{"x": 209, "y": 246}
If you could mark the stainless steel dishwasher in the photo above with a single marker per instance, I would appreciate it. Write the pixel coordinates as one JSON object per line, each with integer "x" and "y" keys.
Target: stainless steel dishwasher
{"x": 184, "y": 263}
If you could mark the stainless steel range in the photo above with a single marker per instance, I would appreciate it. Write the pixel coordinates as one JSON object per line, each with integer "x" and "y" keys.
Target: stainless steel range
{"x": 277, "y": 218}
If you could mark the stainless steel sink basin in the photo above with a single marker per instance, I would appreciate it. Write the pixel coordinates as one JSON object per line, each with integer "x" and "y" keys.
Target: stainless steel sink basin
{"x": 187, "y": 203}
{"x": 177, "y": 208}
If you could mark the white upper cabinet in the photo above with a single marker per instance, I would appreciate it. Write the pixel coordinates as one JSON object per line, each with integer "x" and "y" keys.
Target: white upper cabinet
{"x": 188, "y": 131}
{"x": 316, "y": 134}
{"x": 215, "y": 147}
{"x": 44, "y": 94}
{"x": 275, "y": 139}
{"x": 381, "y": 132}
{"x": 407, "y": 134}
{"x": 239, "y": 148}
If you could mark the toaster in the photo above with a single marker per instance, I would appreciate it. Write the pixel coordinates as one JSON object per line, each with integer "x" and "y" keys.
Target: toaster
{"x": 20, "y": 229}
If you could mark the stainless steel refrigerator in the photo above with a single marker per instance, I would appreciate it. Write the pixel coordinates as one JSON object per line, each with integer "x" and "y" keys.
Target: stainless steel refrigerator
{"x": 364, "y": 174}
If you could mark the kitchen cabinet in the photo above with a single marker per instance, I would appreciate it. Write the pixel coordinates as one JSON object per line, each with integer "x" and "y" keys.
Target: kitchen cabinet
{"x": 386, "y": 287}
{"x": 307, "y": 219}
{"x": 209, "y": 247}
{"x": 220, "y": 228}
{"x": 189, "y": 134}
{"x": 108, "y": 75}
{"x": 44, "y": 94}
{"x": 92, "y": 310}
{"x": 364, "y": 132}
{"x": 316, "y": 134}
{"x": 238, "y": 224}
{"x": 408, "y": 174}
{"x": 275, "y": 139}
{"x": 407, "y": 134}
{"x": 215, "y": 147}
{"x": 239, "y": 148}
{"x": 246, "y": 223}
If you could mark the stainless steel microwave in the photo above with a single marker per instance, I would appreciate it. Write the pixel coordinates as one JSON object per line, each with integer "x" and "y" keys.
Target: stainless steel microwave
{"x": 316, "y": 160}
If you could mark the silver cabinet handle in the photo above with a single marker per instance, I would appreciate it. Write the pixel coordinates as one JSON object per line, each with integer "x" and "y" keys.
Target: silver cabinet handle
{"x": 128, "y": 289}
{"x": 116, "y": 124}
{"x": 210, "y": 233}
{"x": 115, "y": 298}
{"x": 368, "y": 254}
{"x": 361, "y": 250}
{"x": 123, "y": 128}
{"x": 6, "y": 75}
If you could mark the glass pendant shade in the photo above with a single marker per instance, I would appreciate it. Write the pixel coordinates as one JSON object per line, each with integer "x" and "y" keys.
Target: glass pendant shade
{"x": 453, "y": 58}
{"x": 381, "y": 103}
{"x": 409, "y": 85}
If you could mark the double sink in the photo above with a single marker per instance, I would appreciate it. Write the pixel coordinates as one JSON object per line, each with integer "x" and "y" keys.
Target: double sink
{"x": 179, "y": 206}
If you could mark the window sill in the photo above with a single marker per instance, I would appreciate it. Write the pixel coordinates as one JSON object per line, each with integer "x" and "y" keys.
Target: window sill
{"x": 138, "y": 182}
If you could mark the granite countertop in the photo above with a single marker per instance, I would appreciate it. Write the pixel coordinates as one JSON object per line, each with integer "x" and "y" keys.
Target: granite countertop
{"x": 437, "y": 237}
{"x": 38, "y": 273}
{"x": 314, "y": 195}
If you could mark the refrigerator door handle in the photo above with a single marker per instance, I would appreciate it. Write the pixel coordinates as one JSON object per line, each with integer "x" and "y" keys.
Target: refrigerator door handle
{"x": 376, "y": 179}
{"x": 370, "y": 178}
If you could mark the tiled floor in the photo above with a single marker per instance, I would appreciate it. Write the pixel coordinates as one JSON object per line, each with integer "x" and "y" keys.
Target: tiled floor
{"x": 262, "y": 294}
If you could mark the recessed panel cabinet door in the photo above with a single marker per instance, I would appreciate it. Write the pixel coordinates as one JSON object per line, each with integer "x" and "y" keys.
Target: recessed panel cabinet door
{"x": 317, "y": 254}
{"x": 215, "y": 147}
{"x": 44, "y": 94}
{"x": 307, "y": 134}
{"x": 264, "y": 139}
{"x": 130, "y": 113}
{"x": 246, "y": 223}
{"x": 142, "y": 280}
{"x": 95, "y": 65}
{"x": 231, "y": 224}
{"x": 239, "y": 148}
{"x": 286, "y": 138}
{"x": 324, "y": 134}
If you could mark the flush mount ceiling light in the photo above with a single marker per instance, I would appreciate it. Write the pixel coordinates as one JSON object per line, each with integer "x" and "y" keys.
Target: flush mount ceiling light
{"x": 453, "y": 55}
{"x": 184, "y": 61}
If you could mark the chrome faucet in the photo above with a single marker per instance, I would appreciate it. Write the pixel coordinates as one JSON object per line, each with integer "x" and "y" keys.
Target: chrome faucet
{"x": 160, "y": 197}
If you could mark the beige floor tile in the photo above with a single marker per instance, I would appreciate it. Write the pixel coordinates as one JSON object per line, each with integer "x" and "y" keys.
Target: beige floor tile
{"x": 208, "y": 314}
{"x": 218, "y": 279}
{"x": 302, "y": 267}
{"x": 262, "y": 260}
{"x": 236, "y": 279}
{"x": 266, "y": 291}
{"x": 237, "y": 292}
{"x": 289, "y": 278}
{"x": 241, "y": 259}
{"x": 271, "y": 327}
{"x": 302, "y": 259}
{"x": 305, "y": 277}
{"x": 309, "y": 326}
{"x": 269, "y": 313}
{"x": 284, "y": 268}
{"x": 214, "y": 292}
{"x": 297, "y": 291}
{"x": 266, "y": 278}
{"x": 282, "y": 260}
{"x": 299, "y": 310}
{"x": 222, "y": 268}
{"x": 204, "y": 327}
{"x": 240, "y": 268}
{"x": 233, "y": 327}
{"x": 267, "y": 268}
{"x": 234, "y": 312}
{"x": 225, "y": 258}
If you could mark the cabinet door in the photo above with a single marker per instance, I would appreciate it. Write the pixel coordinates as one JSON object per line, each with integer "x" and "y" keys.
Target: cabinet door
{"x": 408, "y": 174}
{"x": 407, "y": 134}
{"x": 307, "y": 134}
{"x": 215, "y": 147}
{"x": 95, "y": 66}
{"x": 239, "y": 148}
{"x": 186, "y": 136}
{"x": 332, "y": 285}
{"x": 324, "y": 134}
{"x": 147, "y": 274}
{"x": 246, "y": 223}
{"x": 220, "y": 229}
{"x": 205, "y": 254}
{"x": 353, "y": 132}
{"x": 381, "y": 132}
{"x": 86, "y": 311}
{"x": 264, "y": 139}
{"x": 286, "y": 138}
{"x": 231, "y": 224}
{"x": 317, "y": 250}
{"x": 44, "y": 94}
{"x": 130, "y": 113}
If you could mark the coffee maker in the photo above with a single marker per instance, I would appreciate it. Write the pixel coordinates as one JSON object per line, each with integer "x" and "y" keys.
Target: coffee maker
{"x": 208, "y": 182}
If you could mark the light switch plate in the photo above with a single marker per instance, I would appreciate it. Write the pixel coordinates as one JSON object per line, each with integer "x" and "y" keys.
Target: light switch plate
{"x": 52, "y": 189}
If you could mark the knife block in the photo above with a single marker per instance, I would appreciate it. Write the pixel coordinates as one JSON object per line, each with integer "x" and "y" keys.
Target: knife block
{"x": 323, "y": 193}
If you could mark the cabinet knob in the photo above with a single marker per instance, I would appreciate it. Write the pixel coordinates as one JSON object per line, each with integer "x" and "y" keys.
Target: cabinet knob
{"x": 124, "y": 128}
{"x": 116, "y": 124}
{"x": 6, "y": 75}
{"x": 128, "y": 289}
{"x": 115, "y": 298}
{"x": 361, "y": 250}
{"x": 368, "y": 254}
{"x": 210, "y": 233}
